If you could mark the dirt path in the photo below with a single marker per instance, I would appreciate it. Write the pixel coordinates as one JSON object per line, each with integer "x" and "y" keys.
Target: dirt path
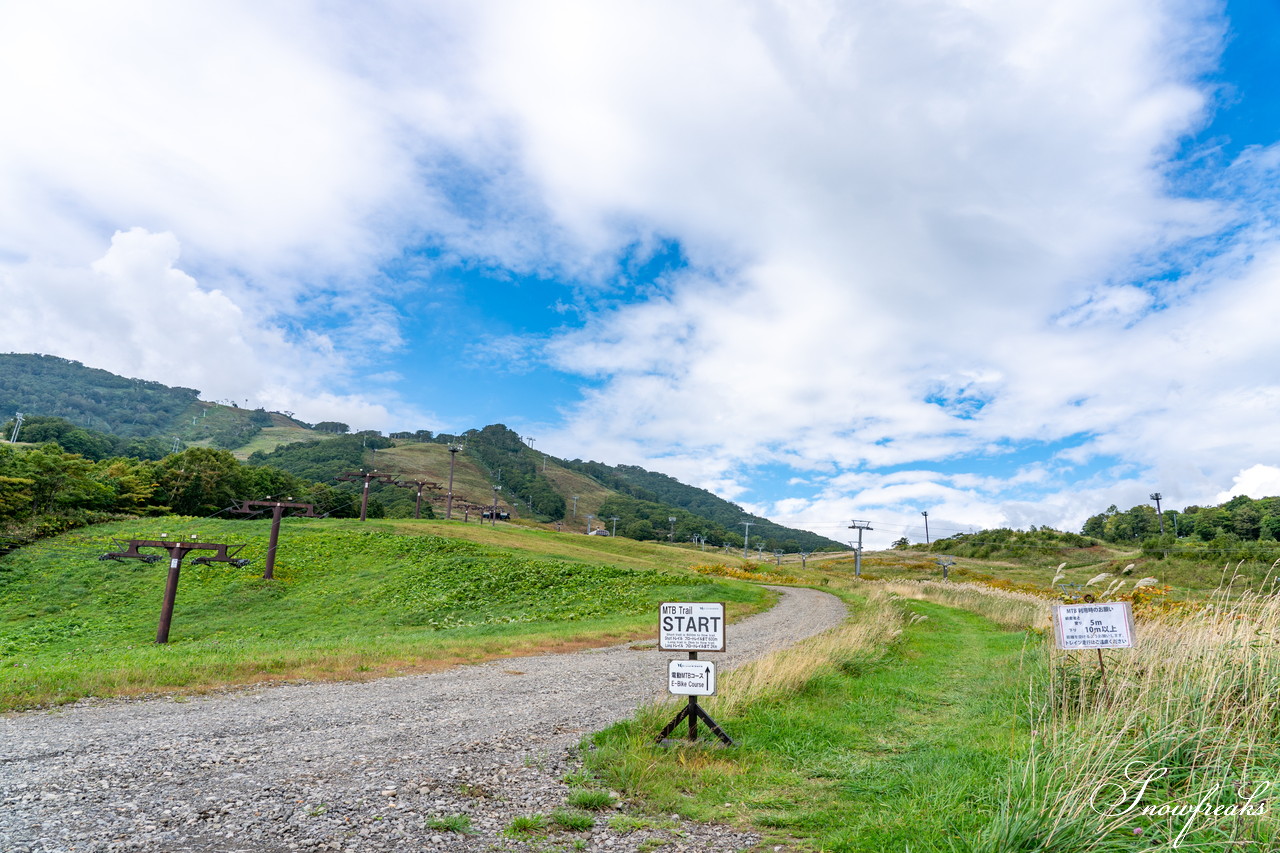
{"x": 358, "y": 767}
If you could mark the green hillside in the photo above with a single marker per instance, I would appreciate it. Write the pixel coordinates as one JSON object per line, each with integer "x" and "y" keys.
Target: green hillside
{"x": 99, "y": 410}
{"x": 48, "y": 385}
{"x": 654, "y": 488}
{"x": 348, "y": 600}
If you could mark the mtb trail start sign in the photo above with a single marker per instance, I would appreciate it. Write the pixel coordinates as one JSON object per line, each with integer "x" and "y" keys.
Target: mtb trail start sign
{"x": 691, "y": 626}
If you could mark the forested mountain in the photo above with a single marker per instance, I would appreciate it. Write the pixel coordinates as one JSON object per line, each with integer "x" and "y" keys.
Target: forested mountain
{"x": 100, "y": 416}
{"x": 723, "y": 515}
{"x": 52, "y": 386}
{"x": 516, "y": 468}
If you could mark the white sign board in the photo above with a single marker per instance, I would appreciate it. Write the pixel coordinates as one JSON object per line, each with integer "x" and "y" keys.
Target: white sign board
{"x": 1104, "y": 625}
{"x": 691, "y": 627}
{"x": 691, "y": 678}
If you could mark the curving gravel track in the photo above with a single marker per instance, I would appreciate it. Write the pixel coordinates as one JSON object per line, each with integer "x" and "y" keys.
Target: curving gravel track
{"x": 354, "y": 767}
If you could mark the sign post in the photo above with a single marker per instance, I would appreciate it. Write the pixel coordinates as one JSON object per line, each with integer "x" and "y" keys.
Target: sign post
{"x": 693, "y": 627}
{"x": 1097, "y": 625}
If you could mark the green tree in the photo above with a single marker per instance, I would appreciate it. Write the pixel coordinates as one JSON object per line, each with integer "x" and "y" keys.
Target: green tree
{"x": 63, "y": 480}
{"x": 1246, "y": 521}
{"x": 200, "y": 481}
{"x": 333, "y": 426}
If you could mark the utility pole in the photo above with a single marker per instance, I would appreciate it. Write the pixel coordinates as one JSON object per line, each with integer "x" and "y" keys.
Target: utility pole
{"x": 454, "y": 449}
{"x": 614, "y": 519}
{"x": 493, "y": 518}
{"x": 745, "y": 534}
{"x": 277, "y": 512}
{"x": 368, "y": 477}
{"x": 17, "y": 428}
{"x": 926, "y": 526}
{"x": 420, "y": 485}
{"x": 1156, "y": 496}
{"x": 178, "y": 550}
{"x": 857, "y": 555}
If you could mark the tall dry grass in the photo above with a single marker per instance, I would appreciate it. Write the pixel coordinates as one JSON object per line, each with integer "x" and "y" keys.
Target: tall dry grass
{"x": 862, "y": 638}
{"x": 1186, "y": 722}
{"x": 1006, "y": 608}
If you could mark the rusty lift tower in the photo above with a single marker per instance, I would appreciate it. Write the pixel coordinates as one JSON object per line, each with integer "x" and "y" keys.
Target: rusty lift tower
{"x": 178, "y": 550}
{"x": 277, "y": 512}
{"x": 454, "y": 450}
{"x": 419, "y": 485}
{"x": 368, "y": 477}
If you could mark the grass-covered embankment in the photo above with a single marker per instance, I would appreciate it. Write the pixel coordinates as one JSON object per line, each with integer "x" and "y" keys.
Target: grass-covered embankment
{"x": 883, "y": 744}
{"x": 348, "y": 601}
{"x": 950, "y": 733}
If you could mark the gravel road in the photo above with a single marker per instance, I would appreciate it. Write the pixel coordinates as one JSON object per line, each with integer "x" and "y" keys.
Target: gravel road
{"x": 356, "y": 767}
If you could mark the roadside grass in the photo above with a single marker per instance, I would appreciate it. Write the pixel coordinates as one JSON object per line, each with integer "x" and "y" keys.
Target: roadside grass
{"x": 1012, "y": 610}
{"x": 457, "y": 823}
{"x": 881, "y": 744}
{"x": 349, "y": 602}
{"x": 1176, "y": 746}
{"x": 1187, "y": 580}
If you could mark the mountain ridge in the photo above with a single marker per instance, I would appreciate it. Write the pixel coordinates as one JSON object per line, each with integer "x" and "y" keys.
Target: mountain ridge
{"x": 624, "y": 499}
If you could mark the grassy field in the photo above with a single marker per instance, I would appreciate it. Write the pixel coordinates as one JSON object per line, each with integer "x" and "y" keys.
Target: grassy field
{"x": 939, "y": 718}
{"x": 886, "y": 746}
{"x": 274, "y": 436}
{"x": 349, "y": 601}
{"x": 1036, "y": 573}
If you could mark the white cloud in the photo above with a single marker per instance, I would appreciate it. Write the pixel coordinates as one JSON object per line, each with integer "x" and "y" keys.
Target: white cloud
{"x": 134, "y": 312}
{"x": 925, "y": 236}
{"x": 1256, "y": 481}
{"x": 931, "y": 229}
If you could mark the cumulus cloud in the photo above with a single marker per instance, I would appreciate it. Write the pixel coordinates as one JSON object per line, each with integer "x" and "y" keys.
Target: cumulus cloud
{"x": 920, "y": 242}
{"x": 938, "y": 237}
{"x": 1256, "y": 481}
{"x": 136, "y": 313}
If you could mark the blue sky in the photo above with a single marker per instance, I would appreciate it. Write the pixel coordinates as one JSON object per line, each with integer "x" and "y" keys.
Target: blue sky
{"x": 1004, "y": 263}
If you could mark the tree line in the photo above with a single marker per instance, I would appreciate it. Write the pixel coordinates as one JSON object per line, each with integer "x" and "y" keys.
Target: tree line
{"x": 1242, "y": 528}
{"x": 45, "y": 489}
